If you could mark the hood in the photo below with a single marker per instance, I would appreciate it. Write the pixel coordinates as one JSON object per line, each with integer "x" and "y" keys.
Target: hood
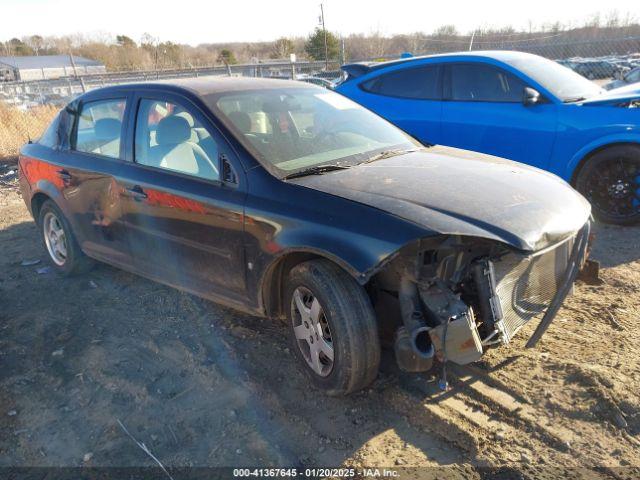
{"x": 452, "y": 191}
{"x": 615, "y": 96}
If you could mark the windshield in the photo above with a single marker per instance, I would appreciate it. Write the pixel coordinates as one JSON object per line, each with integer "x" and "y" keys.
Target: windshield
{"x": 561, "y": 81}
{"x": 295, "y": 129}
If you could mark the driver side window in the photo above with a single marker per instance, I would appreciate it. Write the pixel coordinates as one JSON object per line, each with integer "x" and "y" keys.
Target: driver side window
{"x": 484, "y": 83}
{"x": 169, "y": 137}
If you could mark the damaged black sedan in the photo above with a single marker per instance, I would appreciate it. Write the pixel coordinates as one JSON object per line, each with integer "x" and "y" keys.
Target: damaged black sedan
{"x": 286, "y": 200}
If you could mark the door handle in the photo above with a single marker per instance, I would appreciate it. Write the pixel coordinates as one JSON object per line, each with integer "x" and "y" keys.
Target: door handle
{"x": 136, "y": 192}
{"x": 64, "y": 175}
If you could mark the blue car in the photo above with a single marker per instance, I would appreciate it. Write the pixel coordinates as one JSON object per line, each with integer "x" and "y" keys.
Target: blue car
{"x": 519, "y": 106}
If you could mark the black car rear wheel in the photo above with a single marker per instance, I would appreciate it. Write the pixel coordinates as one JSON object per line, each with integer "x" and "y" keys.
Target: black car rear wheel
{"x": 59, "y": 242}
{"x": 332, "y": 327}
{"x": 610, "y": 180}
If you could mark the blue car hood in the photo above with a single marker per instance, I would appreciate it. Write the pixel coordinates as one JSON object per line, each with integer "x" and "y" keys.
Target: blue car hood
{"x": 614, "y": 96}
{"x": 452, "y": 191}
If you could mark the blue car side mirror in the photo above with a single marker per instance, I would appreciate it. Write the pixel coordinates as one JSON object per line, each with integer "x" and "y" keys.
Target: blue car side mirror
{"x": 530, "y": 96}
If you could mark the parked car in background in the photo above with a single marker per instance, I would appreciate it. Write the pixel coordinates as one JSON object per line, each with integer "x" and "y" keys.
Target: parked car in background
{"x": 287, "y": 200}
{"x": 632, "y": 76}
{"x": 596, "y": 69}
{"x": 518, "y": 106}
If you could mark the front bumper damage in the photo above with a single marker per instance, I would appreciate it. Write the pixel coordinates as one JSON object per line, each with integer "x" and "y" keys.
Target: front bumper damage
{"x": 518, "y": 289}
{"x": 464, "y": 296}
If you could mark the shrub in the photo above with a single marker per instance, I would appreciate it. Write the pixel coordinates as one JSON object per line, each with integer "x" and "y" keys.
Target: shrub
{"x": 18, "y": 125}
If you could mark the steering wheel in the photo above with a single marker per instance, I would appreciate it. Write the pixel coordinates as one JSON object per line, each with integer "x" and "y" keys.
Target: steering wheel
{"x": 322, "y": 134}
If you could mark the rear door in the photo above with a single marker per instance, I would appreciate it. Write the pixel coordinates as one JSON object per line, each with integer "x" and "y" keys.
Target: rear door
{"x": 484, "y": 111}
{"x": 409, "y": 97}
{"x": 184, "y": 219}
{"x": 93, "y": 158}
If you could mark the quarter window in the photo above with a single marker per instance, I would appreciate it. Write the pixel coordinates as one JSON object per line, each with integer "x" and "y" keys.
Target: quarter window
{"x": 483, "y": 83}
{"x": 169, "y": 137}
{"x": 99, "y": 127}
{"x": 417, "y": 83}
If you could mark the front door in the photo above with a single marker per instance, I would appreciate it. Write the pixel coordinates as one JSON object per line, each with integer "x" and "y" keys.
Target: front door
{"x": 485, "y": 112}
{"x": 185, "y": 223}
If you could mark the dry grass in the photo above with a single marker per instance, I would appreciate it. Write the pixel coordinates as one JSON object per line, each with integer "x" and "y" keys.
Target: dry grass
{"x": 17, "y": 126}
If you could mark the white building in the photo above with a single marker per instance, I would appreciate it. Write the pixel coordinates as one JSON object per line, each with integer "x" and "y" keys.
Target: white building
{"x": 46, "y": 66}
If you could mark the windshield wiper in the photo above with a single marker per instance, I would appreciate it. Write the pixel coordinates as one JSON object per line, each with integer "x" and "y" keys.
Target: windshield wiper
{"x": 316, "y": 170}
{"x": 574, "y": 99}
{"x": 388, "y": 154}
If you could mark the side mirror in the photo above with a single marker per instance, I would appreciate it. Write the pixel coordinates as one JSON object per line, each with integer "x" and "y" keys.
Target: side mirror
{"x": 531, "y": 96}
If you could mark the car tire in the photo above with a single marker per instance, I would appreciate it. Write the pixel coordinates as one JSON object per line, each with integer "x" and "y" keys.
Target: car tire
{"x": 65, "y": 255}
{"x": 342, "y": 320}
{"x": 610, "y": 180}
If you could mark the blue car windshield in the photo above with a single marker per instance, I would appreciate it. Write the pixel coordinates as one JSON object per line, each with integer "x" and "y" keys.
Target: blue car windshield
{"x": 561, "y": 81}
{"x": 294, "y": 129}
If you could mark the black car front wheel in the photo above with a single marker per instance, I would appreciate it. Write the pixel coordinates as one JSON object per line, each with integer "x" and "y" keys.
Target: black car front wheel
{"x": 610, "y": 180}
{"x": 59, "y": 242}
{"x": 332, "y": 327}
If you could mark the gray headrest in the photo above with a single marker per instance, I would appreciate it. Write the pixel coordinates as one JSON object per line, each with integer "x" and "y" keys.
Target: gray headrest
{"x": 241, "y": 120}
{"x": 173, "y": 130}
{"x": 107, "y": 129}
{"x": 187, "y": 116}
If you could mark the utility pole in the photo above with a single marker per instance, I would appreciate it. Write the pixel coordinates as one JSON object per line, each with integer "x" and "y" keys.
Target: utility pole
{"x": 73, "y": 64}
{"x": 11, "y": 53}
{"x": 155, "y": 61}
{"x": 75, "y": 72}
{"x": 473, "y": 35}
{"x": 326, "y": 49}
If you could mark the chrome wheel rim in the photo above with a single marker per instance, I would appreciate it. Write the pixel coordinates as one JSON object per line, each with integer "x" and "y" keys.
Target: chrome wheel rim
{"x": 312, "y": 332}
{"x": 55, "y": 238}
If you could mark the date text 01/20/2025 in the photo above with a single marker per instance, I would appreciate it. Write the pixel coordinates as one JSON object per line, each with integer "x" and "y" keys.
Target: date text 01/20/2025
{"x": 316, "y": 473}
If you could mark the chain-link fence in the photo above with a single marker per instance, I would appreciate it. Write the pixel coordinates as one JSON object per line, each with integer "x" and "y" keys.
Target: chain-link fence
{"x": 602, "y": 58}
{"x": 610, "y": 60}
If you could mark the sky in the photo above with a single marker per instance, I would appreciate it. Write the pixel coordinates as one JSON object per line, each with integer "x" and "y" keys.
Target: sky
{"x": 212, "y": 21}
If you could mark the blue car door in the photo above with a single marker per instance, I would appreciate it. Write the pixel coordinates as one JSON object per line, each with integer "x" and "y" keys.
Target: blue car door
{"x": 409, "y": 97}
{"x": 484, "y": 111}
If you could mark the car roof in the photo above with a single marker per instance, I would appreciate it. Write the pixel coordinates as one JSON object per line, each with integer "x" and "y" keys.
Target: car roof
{"x": 506, "y": 56}
{"x": 210, "y": 85}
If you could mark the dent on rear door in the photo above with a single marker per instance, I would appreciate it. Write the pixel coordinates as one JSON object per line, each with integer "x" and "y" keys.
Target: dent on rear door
{"x": 92, "y": 195}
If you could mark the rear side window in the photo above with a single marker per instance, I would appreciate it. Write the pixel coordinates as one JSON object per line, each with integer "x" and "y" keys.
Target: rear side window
{"x": 417, "y": 83}
{"x": 170, "y": 137}
{"x": 484, "y": 83}
{"x": 99, "y": 128}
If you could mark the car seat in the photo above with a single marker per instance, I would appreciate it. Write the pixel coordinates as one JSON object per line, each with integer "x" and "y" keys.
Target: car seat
{"x": 176, "y": 151}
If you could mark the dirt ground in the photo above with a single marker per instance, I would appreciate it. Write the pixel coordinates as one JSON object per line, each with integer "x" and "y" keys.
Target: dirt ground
{"x": 201, "y": 385}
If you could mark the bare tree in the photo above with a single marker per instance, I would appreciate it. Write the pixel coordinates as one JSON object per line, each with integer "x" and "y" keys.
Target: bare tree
{"x": 282, "y": 48}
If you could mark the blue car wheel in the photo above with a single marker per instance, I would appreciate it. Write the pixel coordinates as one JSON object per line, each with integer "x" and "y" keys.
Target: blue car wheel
{"x": 610, "y": 180}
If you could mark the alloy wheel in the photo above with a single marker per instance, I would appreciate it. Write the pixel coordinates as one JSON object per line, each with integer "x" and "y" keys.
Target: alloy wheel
{"x": 614, "y": 188}
{"x": 55, "y": 238}
{"x": 312, "y": 331}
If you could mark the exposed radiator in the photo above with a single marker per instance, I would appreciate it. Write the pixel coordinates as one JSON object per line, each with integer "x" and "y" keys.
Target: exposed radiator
{"x": 526, "y": 284}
